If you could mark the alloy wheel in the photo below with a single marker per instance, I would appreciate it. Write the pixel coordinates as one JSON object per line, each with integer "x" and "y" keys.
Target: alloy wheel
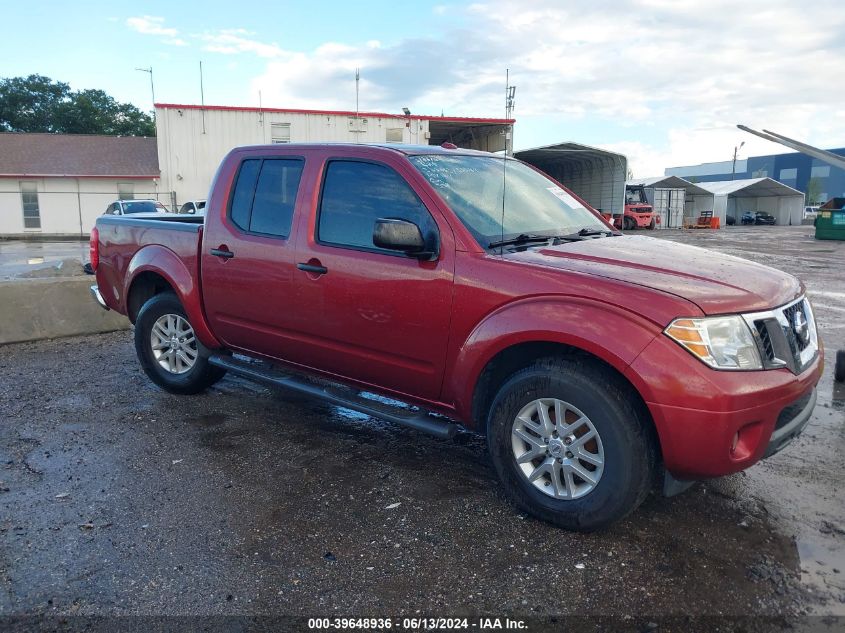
{"x": 557, "y": 448}
{"x": 174, "y": 344}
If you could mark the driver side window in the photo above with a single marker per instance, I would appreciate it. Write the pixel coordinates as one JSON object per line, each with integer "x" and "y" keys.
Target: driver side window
{"x": 356, "y": 194}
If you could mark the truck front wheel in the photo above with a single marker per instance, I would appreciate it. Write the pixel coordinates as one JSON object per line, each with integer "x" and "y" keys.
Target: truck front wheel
{"x": 169, "y": 351}
{"x": 569, "y": 444}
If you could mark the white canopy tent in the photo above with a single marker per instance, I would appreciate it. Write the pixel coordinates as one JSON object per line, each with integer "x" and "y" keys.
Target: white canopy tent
{"x": 596, "y": 175}
{"x": 674, "y": 198}
{"x": 734, "y": 197}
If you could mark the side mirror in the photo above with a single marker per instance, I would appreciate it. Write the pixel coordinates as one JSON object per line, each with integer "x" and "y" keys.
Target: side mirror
{"x": 400, "y": 235}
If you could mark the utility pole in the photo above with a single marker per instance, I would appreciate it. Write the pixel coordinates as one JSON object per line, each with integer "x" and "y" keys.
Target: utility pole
{"x": 357, "y": 119}
{"x": 733, "y": 167}
{"x": 152, "y": 87}
{"x": 202, "y": 100}
{"x": 510, "y": 94}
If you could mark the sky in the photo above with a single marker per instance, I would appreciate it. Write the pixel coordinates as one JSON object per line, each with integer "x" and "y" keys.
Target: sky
{"x": 662, "y": 81}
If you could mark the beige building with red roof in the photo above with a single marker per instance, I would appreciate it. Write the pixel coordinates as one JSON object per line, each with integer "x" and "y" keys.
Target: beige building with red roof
{"x": 57, "y": 184}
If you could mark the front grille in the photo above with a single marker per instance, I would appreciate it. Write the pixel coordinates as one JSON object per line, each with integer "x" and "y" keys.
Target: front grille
{"x": 784, "y": 338}
{"x": 765, "y": 340}
{"x": 790, "y": 411}
{"x": 789, "y": 314}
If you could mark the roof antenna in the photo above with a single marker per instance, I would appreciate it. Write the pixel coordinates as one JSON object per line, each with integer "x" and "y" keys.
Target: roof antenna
{"x": 508, "y": 105}
{"x": 357, "y": 82}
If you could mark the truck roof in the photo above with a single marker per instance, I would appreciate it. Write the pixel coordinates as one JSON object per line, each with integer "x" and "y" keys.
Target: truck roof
{"x": 407, "y": 149}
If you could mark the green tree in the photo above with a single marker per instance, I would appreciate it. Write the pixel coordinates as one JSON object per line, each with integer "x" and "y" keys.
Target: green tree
{"x": 39, "y": 104}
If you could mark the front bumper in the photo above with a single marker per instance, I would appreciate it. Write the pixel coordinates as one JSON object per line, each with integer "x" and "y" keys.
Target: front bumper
{"x": 791, "y": 422}
{"x": 714, "y": 423}
{"x": 95, "y": 292}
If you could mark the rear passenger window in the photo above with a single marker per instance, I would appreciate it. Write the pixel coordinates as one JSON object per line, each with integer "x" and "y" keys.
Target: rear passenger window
{"x": 356, "y": 194}
{"x": 265, "y": 194}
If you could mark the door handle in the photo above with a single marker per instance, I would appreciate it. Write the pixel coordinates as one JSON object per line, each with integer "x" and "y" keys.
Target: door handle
{"x": 313, "y": 268}
{"x": 222, "y": 252}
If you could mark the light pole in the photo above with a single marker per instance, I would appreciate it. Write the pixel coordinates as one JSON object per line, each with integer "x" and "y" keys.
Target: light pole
{"x": 152, "y": 87}
{"x": 733, "y": 167}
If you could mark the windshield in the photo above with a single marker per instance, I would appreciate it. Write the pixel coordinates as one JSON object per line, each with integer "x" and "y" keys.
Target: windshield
{"x": 143, "y": 206}
{"x": 635, "y": 195}
{"x": 473, "y": 188}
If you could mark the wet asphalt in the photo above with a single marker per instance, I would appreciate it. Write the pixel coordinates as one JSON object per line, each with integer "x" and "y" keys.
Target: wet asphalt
{"x": 117, "y": 498}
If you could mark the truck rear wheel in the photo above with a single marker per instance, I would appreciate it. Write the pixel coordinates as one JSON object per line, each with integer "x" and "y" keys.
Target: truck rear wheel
{"x": 629, "y": 224}
{"x": 569, "y": 445}
{"x": 169, "y": 351}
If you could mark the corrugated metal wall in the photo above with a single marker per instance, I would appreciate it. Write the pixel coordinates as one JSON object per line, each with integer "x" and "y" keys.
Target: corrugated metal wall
{"x": 598, "y": 180}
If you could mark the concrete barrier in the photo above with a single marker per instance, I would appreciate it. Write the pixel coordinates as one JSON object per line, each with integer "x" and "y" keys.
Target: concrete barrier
{"x": 32, "y": 309}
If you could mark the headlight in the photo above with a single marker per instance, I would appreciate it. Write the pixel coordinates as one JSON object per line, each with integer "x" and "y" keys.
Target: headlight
{"x": 720, "y": 342}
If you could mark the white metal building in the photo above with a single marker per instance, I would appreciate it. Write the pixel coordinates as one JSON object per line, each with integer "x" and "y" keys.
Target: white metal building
{"x": 194, "y": 139}
{"x": 57, "y": 184}
{"x": 734, "y": 197}
{"x": 596, "y": 175}
{"x": 674, "y": 199}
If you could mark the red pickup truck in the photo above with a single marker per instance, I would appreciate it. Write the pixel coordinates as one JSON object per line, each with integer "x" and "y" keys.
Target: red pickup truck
{"x": 475, "y": 291}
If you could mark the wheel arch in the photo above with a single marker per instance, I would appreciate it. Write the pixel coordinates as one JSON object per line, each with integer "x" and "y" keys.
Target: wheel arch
{"x": 154, "y": 269}
{"x": 492, "y": 352}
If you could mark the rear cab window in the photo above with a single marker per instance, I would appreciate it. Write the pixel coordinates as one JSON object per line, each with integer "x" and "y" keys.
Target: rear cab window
{"x": 264, "y": 195}
{"x": 355, "y": 194}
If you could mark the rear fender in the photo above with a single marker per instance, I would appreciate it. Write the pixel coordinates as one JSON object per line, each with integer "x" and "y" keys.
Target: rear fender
{"x": 605, "y": 331}
{"x": 164, "y": 262}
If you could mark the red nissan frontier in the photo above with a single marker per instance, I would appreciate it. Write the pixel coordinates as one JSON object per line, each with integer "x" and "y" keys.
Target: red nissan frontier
{"x": 468, "y": 289}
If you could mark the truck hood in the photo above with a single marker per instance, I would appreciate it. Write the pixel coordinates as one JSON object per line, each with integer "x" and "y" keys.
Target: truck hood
{"x": 716, "y": 283}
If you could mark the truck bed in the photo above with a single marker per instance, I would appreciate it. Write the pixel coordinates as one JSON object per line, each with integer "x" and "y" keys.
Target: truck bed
{"x": 123, "y": 238}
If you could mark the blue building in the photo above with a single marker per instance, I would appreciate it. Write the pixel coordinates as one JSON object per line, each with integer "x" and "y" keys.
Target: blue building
{"x": 793, "y": 169}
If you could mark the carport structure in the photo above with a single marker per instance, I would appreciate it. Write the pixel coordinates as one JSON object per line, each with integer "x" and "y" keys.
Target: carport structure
{"x": 596, "y": 175}
{"x": 734, "y": 197}
{"x": 674, "y": 199}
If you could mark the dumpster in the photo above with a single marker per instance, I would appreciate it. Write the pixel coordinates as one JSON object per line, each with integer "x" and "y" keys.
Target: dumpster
{"x": 830, "y": 222}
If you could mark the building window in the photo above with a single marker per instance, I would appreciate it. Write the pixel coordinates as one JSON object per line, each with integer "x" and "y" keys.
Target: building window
{"x": 789, "y": 174}
{"x": 760, "y": 173}
{"x": 395, "y": 134}
{"x": 279, "y": 133}
{"x": 29, "y": 200}
{"x": 357, "y": 124}
{"x": 820, "y": 171}
{"x": 126, "y": 191}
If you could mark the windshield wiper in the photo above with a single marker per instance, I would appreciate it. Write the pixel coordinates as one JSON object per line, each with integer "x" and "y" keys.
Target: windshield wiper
{"x": 523, "y": 238}
{"x": 584, "y": 233}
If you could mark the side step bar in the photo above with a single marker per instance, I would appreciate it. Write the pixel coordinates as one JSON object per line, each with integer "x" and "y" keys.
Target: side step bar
{"x": 337, "y": 396}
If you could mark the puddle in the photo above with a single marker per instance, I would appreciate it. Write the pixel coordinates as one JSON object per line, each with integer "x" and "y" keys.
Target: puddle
{"x": 818, "y": 562}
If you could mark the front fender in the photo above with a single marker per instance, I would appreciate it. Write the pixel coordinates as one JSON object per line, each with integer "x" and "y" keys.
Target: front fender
{"x": 164, "y": 262}
{"x": 612, "y": 334}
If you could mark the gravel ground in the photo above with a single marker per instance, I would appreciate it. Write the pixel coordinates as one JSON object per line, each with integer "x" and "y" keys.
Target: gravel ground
{"x": 117, "y": 498}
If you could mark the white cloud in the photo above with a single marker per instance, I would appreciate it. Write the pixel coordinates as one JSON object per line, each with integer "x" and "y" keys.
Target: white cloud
{"x": 151, "y": 25}
{"x": 667, "y": 79}
{"x": 236, "y": 41}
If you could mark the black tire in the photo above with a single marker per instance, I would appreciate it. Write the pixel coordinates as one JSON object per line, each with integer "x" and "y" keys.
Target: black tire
{"x": 652, "y": 224}
{"x": 629, "y": 449}
{"x": 199, "y": 377}
{"x": 629, "y": 224}
{"x": 839, "y": 367}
